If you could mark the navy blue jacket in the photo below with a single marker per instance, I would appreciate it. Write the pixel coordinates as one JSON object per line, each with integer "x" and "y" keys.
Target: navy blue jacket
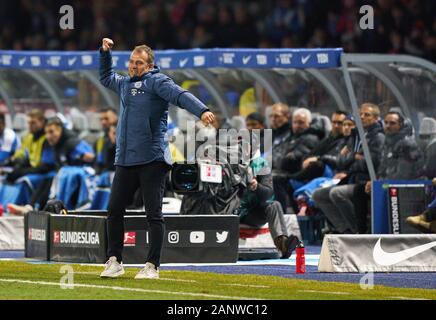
{"x": 142, "y": 123}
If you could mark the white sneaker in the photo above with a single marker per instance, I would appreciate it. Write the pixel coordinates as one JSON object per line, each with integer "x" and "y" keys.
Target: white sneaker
{"x": 112, "y": 269}
{"x": 148, "y": 272}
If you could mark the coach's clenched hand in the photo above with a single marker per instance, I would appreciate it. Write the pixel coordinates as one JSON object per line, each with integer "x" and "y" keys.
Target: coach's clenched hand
{"x": 107, "y": 44}
{"x": 207, "y": 118}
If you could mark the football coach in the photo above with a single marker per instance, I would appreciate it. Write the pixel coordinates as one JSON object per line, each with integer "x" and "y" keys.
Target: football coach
{"x": 143, "y": 157}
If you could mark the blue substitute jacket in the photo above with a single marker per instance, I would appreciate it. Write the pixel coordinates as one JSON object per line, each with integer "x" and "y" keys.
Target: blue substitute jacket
{"x": 142, "y": 123}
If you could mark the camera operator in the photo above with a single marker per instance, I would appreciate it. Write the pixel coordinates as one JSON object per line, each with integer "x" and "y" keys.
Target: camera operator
{"x": 258, "y": 207}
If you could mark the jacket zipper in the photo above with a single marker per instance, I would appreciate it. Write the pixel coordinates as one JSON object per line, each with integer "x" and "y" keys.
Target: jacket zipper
{"x": 126, "y": 117}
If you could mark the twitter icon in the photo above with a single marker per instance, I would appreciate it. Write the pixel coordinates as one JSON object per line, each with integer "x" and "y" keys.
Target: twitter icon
{"x": 221, "y": 237}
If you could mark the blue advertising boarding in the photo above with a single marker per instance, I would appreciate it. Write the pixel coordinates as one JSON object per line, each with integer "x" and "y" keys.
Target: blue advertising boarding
{"x": 178, "y": 59}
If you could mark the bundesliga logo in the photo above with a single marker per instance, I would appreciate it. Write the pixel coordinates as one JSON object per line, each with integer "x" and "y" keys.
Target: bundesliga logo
{"x": 36, "y": 234}
{"x": 72, "y": 237}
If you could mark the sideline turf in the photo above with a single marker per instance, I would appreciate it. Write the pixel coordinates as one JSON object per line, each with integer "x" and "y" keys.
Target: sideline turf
{"x": 201, "y": 285}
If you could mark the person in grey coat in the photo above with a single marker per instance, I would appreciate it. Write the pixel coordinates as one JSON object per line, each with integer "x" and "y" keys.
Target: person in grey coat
{"x": 402, "y": 159}
{"x": 288, "y": 159}
{"x": 142, "y": 156}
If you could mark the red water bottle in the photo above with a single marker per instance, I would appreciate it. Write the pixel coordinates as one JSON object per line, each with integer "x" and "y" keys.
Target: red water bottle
{"x": 300, "y": 259}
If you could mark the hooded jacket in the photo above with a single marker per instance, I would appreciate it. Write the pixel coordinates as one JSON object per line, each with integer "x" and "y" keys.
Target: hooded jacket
{"x": 357, "y": 170}
{"x": 401, "y": 159}
{"x": 142, "y": 123}
{"x": 69, "y": 150}
{"x": 297, "y": 148}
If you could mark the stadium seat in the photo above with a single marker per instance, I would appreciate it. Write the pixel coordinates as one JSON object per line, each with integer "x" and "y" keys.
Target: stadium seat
{"x": 79, "y": 121}
{"x": 19, "y": 124}
{"x": 94, "y": 128}
{"x": 238, "y": 122}
{"x": 428, "y": 127}
{"x": 8, "y": 120}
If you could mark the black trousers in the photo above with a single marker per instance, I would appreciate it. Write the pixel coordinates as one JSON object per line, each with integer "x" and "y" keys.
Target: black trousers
{"x": 150, "y": 178}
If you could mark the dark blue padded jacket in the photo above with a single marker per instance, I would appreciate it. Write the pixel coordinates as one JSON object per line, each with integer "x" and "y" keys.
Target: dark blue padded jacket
{"x": 142, "y": 123}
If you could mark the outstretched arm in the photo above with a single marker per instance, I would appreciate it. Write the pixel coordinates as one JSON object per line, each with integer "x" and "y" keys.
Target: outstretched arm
{"x": 171, "y": 92}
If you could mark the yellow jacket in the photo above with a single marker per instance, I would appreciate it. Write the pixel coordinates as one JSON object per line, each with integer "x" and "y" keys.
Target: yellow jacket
{"x": 31, "y": 149}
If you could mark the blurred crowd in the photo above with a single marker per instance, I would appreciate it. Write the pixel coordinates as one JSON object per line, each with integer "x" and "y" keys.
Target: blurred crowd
{"x": 401, "y": 26}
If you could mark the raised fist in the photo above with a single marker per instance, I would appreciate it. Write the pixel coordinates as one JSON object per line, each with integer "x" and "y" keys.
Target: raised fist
{"x": 107, "y": 44}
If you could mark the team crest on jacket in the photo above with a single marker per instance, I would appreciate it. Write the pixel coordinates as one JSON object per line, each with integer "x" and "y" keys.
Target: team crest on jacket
{"x": 138, "y": 84}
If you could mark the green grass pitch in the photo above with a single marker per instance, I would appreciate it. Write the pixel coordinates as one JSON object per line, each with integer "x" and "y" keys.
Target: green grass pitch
{"x": 21, "y": 280}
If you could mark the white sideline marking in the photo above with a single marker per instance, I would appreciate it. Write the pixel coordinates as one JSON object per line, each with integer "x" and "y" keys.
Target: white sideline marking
{"x": 181, "y": 280}
{"x": 326, "y": 292}
{"x": 84, "y": 272}
{"x": 244, "y": 285}
{"x": 192, "y": 294}
{"x": 407, "y": 298}
{"x": 311, "y": 259}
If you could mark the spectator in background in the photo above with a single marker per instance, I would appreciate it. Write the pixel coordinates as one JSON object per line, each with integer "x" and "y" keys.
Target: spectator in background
{"x": 400, "y": 26}
{"x": 104, "y": 147}
{"x": 321, "y": 162}
{"x": 336, "y": 201}
{"x": 9, "y": 142}
{"x": 303, "y": 140}
{"x": 401, "y": 158}
{"x": 426, "y": 221}
{"x": 67, "y": 150}
{"x": 256, "y": 121}
{"x": 279, "y": 119}
{"x": 29, "y": 158}
{"x": 225, "y": 27}
{"x": 32, "y": 163}
{"x": 325, "y": 153}
{"x": 245, "y": 34}
{"x": 427, "y": 143}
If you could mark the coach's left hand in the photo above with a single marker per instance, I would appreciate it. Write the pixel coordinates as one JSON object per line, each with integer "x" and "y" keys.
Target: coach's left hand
{"x": 207, "y": 118}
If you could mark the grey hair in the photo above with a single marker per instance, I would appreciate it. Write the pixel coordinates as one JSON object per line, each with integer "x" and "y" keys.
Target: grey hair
{"x": 304, "y": 112}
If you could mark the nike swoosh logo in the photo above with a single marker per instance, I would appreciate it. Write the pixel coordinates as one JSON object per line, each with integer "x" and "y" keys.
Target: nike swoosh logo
{"x": 71, "y": 61}
{"x": 21, "y": 61}
{"x": 384, "y": 258}
{"x": 246, "y": 59}
{"x": 183, "y": 62}
{"x": 305, "y": 59}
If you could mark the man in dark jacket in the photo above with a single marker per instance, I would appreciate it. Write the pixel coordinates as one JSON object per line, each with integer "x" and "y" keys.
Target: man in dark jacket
{"x": 255, "y": 121}
{"x": 279, "y": 120}
{"x": 143, "y": 157}
{"x": 336, "y": 202}
{"x": 401, "y": 159}
{"x": 325, "y": 153}
{"x": 303, "y": 140}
